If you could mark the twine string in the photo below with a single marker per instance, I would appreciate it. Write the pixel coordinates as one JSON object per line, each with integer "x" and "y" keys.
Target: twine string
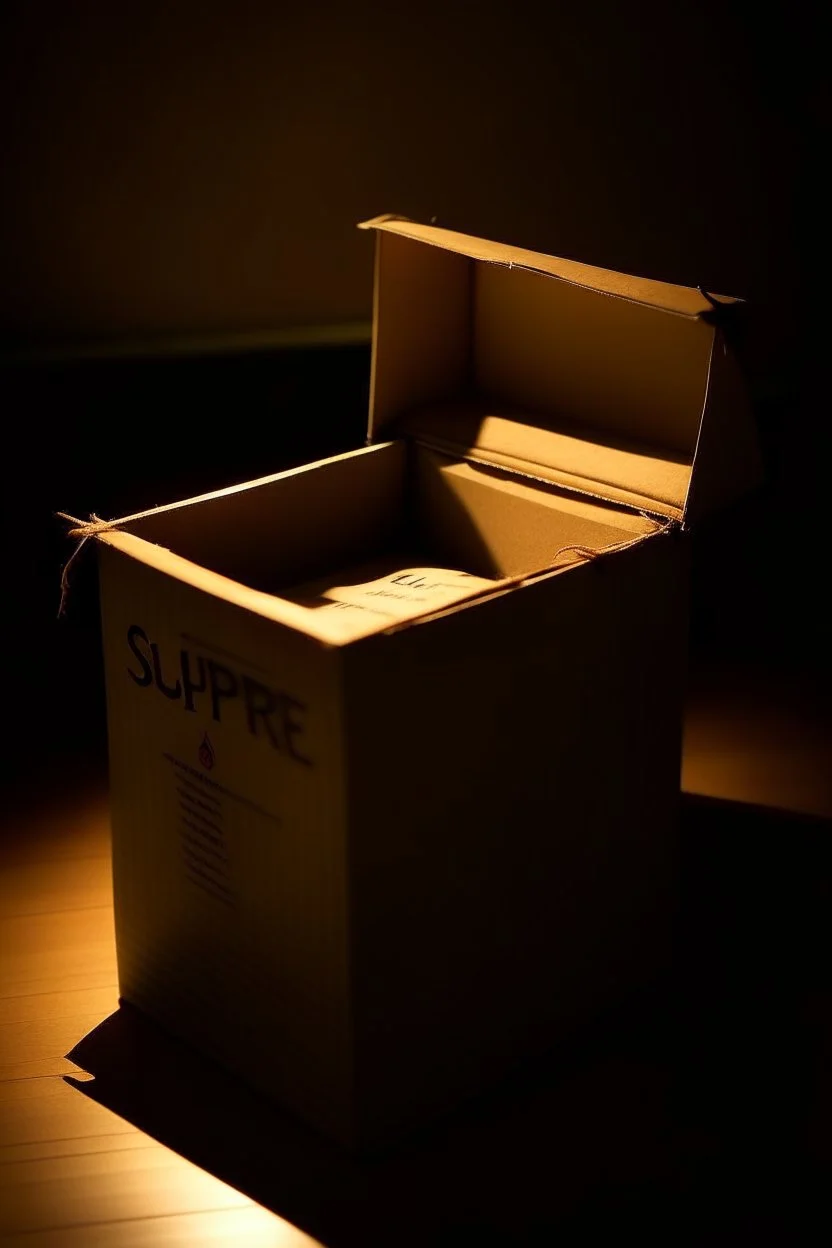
{"x": 81, "y": 531}
{"x": 591, "y": 552}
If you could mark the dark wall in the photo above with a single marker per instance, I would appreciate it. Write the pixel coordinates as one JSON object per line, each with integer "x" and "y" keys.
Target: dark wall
{"x": 178, "y": 166}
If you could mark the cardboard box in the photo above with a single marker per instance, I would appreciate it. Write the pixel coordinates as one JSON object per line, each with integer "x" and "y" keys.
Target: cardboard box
{"x": 395, "y": 737}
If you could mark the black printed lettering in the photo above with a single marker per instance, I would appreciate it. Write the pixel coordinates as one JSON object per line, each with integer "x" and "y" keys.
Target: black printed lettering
{"x": 261, "y": 704}
{"x": 190, "y": 686}
{"x": 134, "y": 636}
{"x": 292, "y": 729}
{"x": 173, "y": 692}
{"x": 269, "y": 714}
{"x": 223, "y": 685}
{"x": 415, "y": 582}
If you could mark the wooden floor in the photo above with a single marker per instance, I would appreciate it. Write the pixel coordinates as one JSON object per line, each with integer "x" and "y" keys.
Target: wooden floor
{"x": 81, "y": 1162}
{"x": 72, "y": 1172}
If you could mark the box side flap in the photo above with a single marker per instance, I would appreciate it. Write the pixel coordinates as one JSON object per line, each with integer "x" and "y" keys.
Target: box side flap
{"x": 683, "y": 300}
{"x": 421, "y": 328}
{"x": 579, "y": 461}
{"x": 603, "y": 395}
{"x": 728, "y": 463}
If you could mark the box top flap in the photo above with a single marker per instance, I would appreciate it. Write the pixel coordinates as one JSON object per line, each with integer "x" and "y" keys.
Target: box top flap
{"x": 682, "y": 300}
{"x": 601, "y": 380}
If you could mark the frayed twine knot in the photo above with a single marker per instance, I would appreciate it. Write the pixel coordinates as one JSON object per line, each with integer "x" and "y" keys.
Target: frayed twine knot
{"x": 81, "y": 531}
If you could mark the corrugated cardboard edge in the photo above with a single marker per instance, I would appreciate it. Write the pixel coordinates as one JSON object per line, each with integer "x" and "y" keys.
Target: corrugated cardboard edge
{"x": 727, "y": 462}
{"x": 684, "y": 301}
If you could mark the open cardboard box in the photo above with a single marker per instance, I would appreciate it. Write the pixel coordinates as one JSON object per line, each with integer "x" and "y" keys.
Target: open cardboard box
{"x": 395, "y": 737}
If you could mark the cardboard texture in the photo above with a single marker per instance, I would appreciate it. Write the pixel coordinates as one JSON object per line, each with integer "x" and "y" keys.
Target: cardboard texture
{"x": 395, "y": 737}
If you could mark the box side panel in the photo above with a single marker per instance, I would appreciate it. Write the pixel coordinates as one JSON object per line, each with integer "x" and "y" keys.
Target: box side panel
{"x": 309, "y": 515}
{"x": 514, "y": 779}
{"x": 228, "y": 851}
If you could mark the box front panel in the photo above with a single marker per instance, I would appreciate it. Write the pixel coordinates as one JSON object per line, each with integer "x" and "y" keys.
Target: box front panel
{"x": 228, "y": 834}
{"x": 514, "y": 775}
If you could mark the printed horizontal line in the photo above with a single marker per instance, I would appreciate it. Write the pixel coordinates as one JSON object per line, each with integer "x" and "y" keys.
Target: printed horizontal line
{"x": 196, "y": 854}
{"x": 211, "y": 812}
{"x": 206, "y": 814}
{"x": 214, "y": 784}
{"x": 207, "y": 885}
{"x": 199, "y": 842}
{"x": 209, "y": 797}
{"x": 209, "y": 838}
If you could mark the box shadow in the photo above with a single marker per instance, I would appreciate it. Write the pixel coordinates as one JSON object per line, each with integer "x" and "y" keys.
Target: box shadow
{"x": 702, "y": 1101}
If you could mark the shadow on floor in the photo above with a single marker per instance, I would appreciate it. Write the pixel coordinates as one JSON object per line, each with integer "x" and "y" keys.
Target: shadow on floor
{"x": 696, "y": 1117}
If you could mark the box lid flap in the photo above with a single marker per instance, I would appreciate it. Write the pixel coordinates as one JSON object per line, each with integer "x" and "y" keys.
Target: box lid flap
{"x": 683, "y": 300}
{"x": 609, "y": 384}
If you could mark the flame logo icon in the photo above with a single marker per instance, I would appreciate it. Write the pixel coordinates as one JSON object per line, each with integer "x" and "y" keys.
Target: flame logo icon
{"x": 206, "y": 753}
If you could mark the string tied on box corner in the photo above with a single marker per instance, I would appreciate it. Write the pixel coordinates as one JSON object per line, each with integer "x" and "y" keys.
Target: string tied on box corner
{"x": 81, "y": 531}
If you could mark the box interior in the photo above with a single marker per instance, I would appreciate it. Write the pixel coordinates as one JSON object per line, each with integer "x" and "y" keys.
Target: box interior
{"x": 605, "y": 391}
{"x": 529, "y": 419}
{"x": 393, "y": 510}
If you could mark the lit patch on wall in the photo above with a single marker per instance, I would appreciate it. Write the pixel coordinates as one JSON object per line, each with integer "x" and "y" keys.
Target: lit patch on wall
{"x": 756, "y": 740}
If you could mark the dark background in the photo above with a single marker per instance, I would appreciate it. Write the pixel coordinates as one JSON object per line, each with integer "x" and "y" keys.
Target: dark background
{"x": 180, "y": 187}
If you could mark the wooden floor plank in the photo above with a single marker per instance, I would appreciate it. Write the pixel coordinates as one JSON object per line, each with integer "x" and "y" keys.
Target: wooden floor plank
{"x": 72, "y": 1173}
{"x": 51, "y": 884}
{"x": 69, "y": 824}
{"x": 37, "y": 1068}
{"x": 32, "y": 1006}
{"x": 39, "y": 1110}
{"x": 114, "y": 1186}
{"x": 57, "y": 952}
{"x": 42, "y": 1040}
{"x": 248, "y": 1227}
{"x": 42, "y": 1150}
